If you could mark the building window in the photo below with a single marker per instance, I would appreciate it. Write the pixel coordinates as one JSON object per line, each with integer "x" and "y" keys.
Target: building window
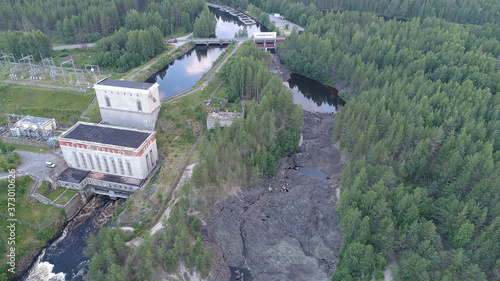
{"x": 106, "y": 164}
{"x": 121, "y": 166}
{"x": 151, "y": 158}
{"x": 113, "y": 165}
{"x": 98, "y": 161}
{"x": 139, "y": 105}
{"x": 76, "y": 159}
{"x": 108, "y": 103}
{"x": 91, "y": 162}
{"x": 83, "y": 160}
{"x": 129, "y": 168}
{"x": 147, "y": 162}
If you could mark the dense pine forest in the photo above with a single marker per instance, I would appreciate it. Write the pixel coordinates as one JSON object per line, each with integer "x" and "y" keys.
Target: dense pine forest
{"x": 77, "y": 21}
{"x": 250, "y": 148}
{"x": 421, "y": 189}
{"x": 460, "y": 11}
{"x": 127, "y": 33}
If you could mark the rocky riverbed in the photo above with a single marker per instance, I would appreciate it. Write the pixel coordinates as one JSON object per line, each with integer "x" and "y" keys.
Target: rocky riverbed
{"x": 286, "y": 228}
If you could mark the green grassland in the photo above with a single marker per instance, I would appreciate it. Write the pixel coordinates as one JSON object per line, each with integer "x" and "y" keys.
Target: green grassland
{"x": 66, "y": 196}
{"x": 28, "y": 210}
{"x": 42, "y": 102}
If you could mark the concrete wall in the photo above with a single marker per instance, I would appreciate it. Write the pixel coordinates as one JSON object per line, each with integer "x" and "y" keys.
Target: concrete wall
{"x": 124, "y": 110}
{"x": 129, "y": 119}
{"x": 223, "y": 123}
{"x": 139, "y": 167}
{"x": 126, "y": 98}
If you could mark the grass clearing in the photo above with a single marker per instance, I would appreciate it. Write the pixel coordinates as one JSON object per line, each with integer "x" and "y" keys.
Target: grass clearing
{"x": 55, "y": 193}
{"x": 42, "y": 102}
{"x": 44, "y": 188}
{"x": 36, "y": 149}
{"x": 93, "y": 114}
{"x": 67, "y": 195}
{"x": 28, "y": 210}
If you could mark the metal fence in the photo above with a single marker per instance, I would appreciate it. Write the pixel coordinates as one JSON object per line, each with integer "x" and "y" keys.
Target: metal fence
{"x": 81, "y": 90}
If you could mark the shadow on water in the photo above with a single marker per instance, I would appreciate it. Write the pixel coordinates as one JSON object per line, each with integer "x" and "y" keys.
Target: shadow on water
{"x": 314, "y": 95}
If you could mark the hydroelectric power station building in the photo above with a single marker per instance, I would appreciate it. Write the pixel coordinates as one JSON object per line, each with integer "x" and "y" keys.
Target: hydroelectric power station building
{"x": 128, "y": 104}
{"x": 111, "y": 160}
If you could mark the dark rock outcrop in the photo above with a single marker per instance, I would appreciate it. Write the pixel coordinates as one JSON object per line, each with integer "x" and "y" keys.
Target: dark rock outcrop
{"x": 286, "y": 228}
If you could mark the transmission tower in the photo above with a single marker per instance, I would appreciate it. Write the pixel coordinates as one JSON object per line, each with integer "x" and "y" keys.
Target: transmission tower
{"x": 94, "y": 70}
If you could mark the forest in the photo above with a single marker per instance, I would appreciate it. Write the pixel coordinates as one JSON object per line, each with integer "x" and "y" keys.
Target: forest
{"x": 421, "y": 189}
{"x": 22, "y": 44}
{"x": 134, "y": 36}
{"x": 459, "y": 11}
{"x": 87, "y": 21}
{"x": 243, "y": 153}
{"x": 111, "y": 259}
{"x": 127, "y": 49}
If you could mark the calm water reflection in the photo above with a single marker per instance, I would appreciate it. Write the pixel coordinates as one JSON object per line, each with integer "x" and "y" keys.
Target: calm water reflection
{"x": 228, "y": 25}
{"x": 185, "y": 71}
{"x": 313, "y": 95}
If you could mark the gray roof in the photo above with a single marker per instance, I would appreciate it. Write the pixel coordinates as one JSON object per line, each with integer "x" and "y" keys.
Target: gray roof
{"x": 107, "y": 135}
{"x": 125, "y": 84}
{"x": 32, "y": 120}
{"x": 114, "y": 178}
{"x": 73, "y": 175}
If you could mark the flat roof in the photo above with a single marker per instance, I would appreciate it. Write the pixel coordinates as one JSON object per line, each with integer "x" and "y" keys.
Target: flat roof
{"x": 107, "y": 134}
{"x": 32, "y": 120}
{"x": 125, "y": 84}
{"x": 73, "y": 175}
{"x": 114, "y": 178}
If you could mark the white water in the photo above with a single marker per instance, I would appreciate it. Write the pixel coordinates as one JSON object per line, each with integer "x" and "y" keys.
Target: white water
{"x": 42, "y": 271}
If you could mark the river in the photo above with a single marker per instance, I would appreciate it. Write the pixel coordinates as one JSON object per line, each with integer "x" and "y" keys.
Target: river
{"x": 64, "y": 259}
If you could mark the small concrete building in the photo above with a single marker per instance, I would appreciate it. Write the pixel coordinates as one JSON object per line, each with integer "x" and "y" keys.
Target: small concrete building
{"x": 111, "y": 160}
{"x": 128, "y": 104}
{"x": 31, "y": 126}
{"x": 224, "y": 118}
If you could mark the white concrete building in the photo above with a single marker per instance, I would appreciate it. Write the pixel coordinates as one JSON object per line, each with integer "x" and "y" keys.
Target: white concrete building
{"x": 128, "y": 104}
{"x": 106, "y": 149}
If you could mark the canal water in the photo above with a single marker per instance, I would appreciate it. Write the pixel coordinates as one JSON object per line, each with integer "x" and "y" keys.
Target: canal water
{"x": 183, "y": 73}
{"x": 228, "y": 25}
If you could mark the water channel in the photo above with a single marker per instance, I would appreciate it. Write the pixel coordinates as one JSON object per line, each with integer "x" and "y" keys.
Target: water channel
{"x": 184, "y": 72}
{"x": 64, "y": 259}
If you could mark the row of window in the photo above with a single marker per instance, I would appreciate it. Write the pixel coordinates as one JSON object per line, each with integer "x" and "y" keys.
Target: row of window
{"x": 116, "y": 186}
{"x": 119, "y": 93}
{"x": 108, "y": 103}
{"x": 88, "y": 164}
{"x": 98, "y": 149}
